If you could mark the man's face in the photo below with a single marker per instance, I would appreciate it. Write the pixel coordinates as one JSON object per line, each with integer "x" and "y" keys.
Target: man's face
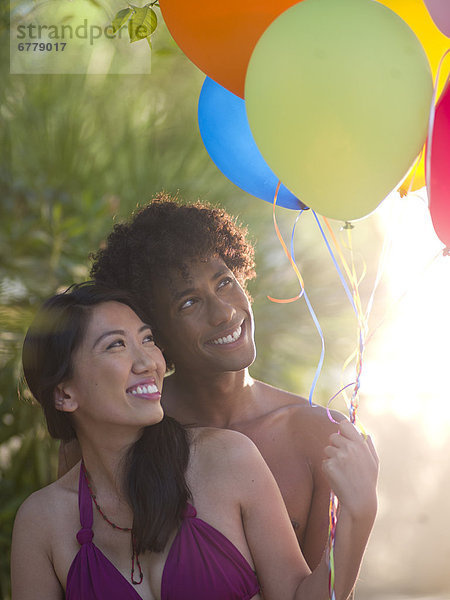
{"x": 204, "y": 319}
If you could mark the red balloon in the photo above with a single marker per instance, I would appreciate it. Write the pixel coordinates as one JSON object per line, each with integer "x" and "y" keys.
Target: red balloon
{"x": 439, "y": 176}
{"x": 219, "y": 36}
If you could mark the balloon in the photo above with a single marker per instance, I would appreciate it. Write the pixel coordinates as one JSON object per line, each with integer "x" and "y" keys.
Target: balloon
{"x": 337, "y": 97}
{"x": 416, "y": 15}
{"x": 227, "y": 137}
{"x": 440, "y": 13}
{"x": 415, "y": 178}
{"x": 218, "y": 36}
{"x": 439, "y": 175}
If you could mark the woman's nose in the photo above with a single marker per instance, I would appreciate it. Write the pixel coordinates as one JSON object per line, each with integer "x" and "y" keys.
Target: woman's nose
{"x": 143, "y": 361}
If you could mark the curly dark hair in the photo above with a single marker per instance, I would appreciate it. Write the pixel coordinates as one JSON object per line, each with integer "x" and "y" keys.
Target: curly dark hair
{"x": 165, "y": 235}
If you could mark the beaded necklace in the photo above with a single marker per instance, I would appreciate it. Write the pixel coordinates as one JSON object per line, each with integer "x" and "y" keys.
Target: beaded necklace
{"x": 134, "y": 555}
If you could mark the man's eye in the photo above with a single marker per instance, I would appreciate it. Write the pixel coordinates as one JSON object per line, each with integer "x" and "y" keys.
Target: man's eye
{"x": 225, "y": 281}
{"x": 148, "y": 338}
{"x": 187, "y": 303}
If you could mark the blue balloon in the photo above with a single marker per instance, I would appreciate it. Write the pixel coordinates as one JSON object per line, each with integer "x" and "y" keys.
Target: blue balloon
{"x": 226, "y": 134}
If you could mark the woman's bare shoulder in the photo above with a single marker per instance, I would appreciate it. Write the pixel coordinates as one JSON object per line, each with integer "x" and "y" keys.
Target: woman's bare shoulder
{"x": 50, "y": 503}
{"x": 221, "y": 440}
{"x": 224, "y": 453}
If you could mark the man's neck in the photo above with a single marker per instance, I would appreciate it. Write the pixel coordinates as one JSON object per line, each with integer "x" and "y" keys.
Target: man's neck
{"x": 212, "y": 400}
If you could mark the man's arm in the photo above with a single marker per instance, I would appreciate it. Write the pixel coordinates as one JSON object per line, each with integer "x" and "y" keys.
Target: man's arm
{"x": 310, "y": 437}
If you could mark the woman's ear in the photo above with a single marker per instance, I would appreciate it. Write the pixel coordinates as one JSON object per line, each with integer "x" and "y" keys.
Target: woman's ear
{"x": 64, "y": 401}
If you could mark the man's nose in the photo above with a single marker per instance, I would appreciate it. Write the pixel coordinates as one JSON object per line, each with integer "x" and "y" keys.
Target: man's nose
{"x": 220, "y": 310}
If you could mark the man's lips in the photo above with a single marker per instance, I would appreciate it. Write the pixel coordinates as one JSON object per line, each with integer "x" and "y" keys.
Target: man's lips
{"x": 229, "y": 336}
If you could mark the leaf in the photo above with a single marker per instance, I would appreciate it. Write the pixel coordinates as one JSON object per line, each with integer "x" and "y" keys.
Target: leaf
{"x": 142, "y": 24}
{"x": 120, "y": 19}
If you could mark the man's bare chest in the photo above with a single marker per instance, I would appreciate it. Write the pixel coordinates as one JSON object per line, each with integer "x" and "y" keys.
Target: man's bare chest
{"x": 291, "y": 469}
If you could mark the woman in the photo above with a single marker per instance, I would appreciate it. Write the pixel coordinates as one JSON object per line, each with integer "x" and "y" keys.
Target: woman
{"x": 177, "y": 514}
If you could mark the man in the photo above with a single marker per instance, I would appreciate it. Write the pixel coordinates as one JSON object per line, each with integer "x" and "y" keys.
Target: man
{"x": 189, "y": 265}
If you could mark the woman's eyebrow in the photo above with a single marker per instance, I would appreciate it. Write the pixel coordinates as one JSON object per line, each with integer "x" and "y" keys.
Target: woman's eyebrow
{"x": 106, "y": 334}
{"x": 118, "y": 332}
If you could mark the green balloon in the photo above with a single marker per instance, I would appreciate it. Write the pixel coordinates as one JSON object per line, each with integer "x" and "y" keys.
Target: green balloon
{"x": 338, "y": 95}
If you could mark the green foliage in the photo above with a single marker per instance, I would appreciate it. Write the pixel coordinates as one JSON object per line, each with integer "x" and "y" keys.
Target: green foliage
{"x": 142, "y": 22}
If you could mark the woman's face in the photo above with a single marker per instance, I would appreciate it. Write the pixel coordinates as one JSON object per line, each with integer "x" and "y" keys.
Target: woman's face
{"x": 117, "y": 373}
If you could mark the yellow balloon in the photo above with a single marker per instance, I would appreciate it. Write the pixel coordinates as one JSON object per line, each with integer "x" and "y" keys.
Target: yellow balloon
{"x": 416, "y": 176}
{"x": 435, "y": 43}
{"x": 337, "y": 97}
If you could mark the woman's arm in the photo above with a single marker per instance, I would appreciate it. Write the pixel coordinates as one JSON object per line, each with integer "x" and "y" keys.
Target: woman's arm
{"x": 32, "y": 573}
{"x": 351, "y": 466}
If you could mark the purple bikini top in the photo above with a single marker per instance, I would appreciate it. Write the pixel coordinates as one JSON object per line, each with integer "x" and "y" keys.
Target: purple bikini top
{"x": 202, "y": 564}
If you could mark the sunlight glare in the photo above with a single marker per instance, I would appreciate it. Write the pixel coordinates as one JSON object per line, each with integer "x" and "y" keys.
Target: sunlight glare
{"x": 407, "y": 367}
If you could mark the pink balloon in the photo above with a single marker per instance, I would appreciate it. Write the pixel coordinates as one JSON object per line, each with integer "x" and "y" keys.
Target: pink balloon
{"x": 440, "y": 13}
{"x": 439, "y": 175}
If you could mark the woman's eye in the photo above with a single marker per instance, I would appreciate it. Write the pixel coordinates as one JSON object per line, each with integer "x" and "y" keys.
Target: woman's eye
{"x": 148, "y": 338}
{"x": 116, "y": 344}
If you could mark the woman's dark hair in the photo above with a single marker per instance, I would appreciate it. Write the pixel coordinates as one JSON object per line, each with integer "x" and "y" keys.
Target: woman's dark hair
{"x": 156, "y": 464}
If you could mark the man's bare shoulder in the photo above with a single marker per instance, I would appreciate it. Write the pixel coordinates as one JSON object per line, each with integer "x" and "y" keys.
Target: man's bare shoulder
{"x": 293, "y": 414}
{"x": 273, "y": 399}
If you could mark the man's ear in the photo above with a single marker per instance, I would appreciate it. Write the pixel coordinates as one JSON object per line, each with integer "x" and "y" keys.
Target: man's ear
{"x": 64, "y": 400}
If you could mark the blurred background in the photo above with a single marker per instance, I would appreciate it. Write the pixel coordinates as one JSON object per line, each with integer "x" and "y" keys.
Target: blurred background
{"x": 80, "y": 152}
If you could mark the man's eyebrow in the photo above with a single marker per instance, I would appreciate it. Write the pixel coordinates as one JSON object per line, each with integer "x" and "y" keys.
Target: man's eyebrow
{"x": 178, "y": 295}
{"x": 224, "y": 271}
{"x": 117, "y": 332}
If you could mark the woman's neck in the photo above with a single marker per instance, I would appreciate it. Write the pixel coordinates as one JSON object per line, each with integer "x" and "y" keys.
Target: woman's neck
{"x": 104, "y": 457}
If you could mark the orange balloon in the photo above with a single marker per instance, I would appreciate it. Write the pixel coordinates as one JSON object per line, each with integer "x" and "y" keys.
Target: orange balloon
{"x": 435, "y": 43}
{"x": 218, "y": 36}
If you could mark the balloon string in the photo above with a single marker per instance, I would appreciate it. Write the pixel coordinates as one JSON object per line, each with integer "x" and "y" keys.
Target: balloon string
{"x": 355, "y": 301}
{"x": 362, "y": 324}
{"x": 332, "y": 520}
{"x": 355, "y": 285}
{"x": 356, "y": 304}
{"x": 431, "y": 124}
{"x": 344, "y": 283}
{"x": 291, "y": 256}
{"x": 288, "y": 254}
{"x": 315, "y": 320}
